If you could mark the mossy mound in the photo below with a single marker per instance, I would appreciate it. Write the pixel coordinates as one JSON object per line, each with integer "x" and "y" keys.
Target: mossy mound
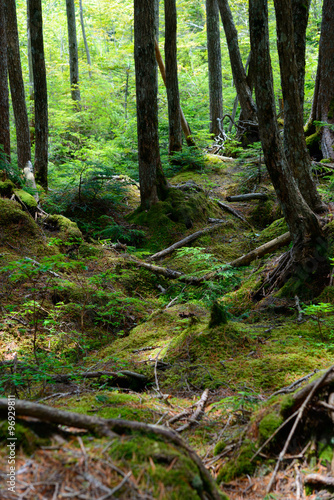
{"x": 7, "y": 188}
{"x": 27, "y": 199}
{"x": 63, "y": 229}
{"x": 19, "y": 231}
{"x": 265, "y": 212}
{"x": 277, "y": 228}
{"x": 169, "y": 219}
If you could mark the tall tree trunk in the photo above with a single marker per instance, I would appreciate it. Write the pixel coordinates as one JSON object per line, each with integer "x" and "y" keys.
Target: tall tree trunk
{"x": 215, "y": 67}
{"x": 244, "y": 93}
{"x": 17, "y": 86}
{"x": 300, "y": 13}
{"x": 31, "y": 83}
{"x": 323, "y": 99}
{"x": 303, "y": 224}
{"x": 40, "y": 92}
{"x": 157, "y": 18}
{"x": 172, "y": 84}
{"x": 73, "y": 50}
{"x": 296, "y": 151}
{"x": 151, "y": 178}
{"x": 89, "y": 61}
{"x": 4, "y": 97}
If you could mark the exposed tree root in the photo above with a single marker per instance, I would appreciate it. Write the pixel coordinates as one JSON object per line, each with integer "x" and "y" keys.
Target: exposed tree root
{"x": 111, "y": 428}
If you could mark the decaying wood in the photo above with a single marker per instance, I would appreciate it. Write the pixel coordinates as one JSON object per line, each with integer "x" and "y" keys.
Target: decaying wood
{"x": 184, "y": 123}
{"x": 316, "y": 386}
{"x": 299, "y": 483}
{"x": 319, "y": 479}
{"x": 232, "y": 211}
{"x": 198, "y": 414}
{"x": 269, "y": 247}
{"x": 300, "y": 396}
{"x": 111, "y": 428}
{"x": 292, "y": 387}
{"x": 184, "y": 242}
{"x": 248, "y": 196}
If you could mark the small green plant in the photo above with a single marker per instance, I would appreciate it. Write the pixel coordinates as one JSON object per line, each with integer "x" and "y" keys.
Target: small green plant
{"x": 319, "y": 311}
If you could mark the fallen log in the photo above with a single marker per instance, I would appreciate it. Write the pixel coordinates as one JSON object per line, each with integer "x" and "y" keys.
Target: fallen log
{"x": 184, "y": 242}
{"x": 111, "y": 428}
{"x": 269, "y": 247}
{"x": 248, "y": 196}
{"x": 319, "y": 479}
{"x": 232, "y": 211}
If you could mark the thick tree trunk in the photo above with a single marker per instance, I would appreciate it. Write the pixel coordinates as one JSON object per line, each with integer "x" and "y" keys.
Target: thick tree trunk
{"x": 89, "y": 61}
{"x": 151, "y": 177}
{"x": 304, "y": 227}
{"x": 73, "y": 50}
{"x": 40, "y": 93}
{"x": 323, "y": 100}
{"x": 215, "y": 67}
{"x": 244, "y": 93}
{"x": 296, "y": 151}
{"x": 300, "y": 13}
{"x": 17, "y": 86}
{"x": 4, "y": 97}
{"x": 172, "y": 84}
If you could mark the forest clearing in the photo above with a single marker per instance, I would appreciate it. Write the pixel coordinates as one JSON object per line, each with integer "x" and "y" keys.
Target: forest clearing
{"x": 166, "y": 250}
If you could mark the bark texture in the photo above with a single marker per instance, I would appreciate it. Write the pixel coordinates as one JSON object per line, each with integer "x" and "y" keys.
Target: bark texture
{"x": 244, "y": 93}
{"x": 40, "y": 92}
{"x": 323, "y": 100}
{"x": 300, "y": 13}
{"x": 82, "y": 22}
{"x": 295, "y": 148}
{"x": 215, "y": 66}
{"x": 4, "y": 97}
{"x": 16, "y": 85}
{"x": 73, "y": 50}
{"x": 151, "y": 177}
{"x": 304, "y": 227}
{"x": 172, "y": 84}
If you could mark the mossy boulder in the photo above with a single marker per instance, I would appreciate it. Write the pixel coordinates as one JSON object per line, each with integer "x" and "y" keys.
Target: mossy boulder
{"x": 63, "y": 229}
{"x": 6, "y": 188}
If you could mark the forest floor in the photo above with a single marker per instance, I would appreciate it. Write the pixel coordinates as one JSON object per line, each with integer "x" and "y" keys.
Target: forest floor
{"x": 86, "y": 328}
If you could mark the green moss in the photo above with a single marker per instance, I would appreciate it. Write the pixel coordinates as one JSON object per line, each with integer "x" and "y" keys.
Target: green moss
{"x": 277, "y": 228}
{"x": 287, "y": 403}
{"x": 268, "y": 425}
{"x": 239, "y": 466}
{"x": 28, "y": 200}
{"x": 218, "y": 315}
{"x": 326, "y": 296}
{"x": 64, "y": 229}
{"x": 7, "y": 188}
{"x": 27, "y": 439}
{"x": 265, "y": 213}
{"x": 313, "y": 140}
{"x": 325, "y": 453}
{"x": 87, "y": 251}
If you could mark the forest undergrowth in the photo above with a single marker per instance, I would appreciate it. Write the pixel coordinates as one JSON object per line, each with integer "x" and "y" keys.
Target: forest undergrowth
{"x": 87, "y": 326}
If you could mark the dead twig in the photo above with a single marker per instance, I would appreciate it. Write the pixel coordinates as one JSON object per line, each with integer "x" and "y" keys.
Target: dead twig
{"x": 198, "y": 414}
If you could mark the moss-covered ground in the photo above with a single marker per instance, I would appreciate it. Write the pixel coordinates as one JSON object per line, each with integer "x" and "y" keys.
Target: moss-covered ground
{"x": 72, "y": 305}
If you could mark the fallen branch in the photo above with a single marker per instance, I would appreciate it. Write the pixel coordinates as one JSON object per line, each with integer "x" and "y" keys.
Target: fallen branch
{"x": 300, "y": 396}
{"x": 198, "y": 414}
{"x": 301, "y": 410}
{"x": 231, "y": 210}
{"x": 248, "y": 196}
{"x": 319, "y": 479}
{"x": 258, "y": 252}
{"x": 184, "y": 242}
{"x": 292, "y": 387}
{"x": 110, "y": 428}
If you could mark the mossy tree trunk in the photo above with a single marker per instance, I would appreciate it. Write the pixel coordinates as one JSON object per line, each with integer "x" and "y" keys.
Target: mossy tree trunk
{"x": 214, "y": 66}
{"x": 294, "y": 139}
{"x": 323, "y": 99}
{"x": 4, "y": 97}
{"x": 40, "y": 92}
{"x": 304, "y": 258}
{"x": 151, "y": 178}
{"x": 17, "y": 85}
{"x": 172, "y": 84}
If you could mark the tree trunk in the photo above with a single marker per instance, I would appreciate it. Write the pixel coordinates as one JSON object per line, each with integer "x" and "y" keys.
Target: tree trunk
{"x": 304, "y": 227}
{"x": 4, "y": 97}
{"x": 151, "y": 177}
{"x": 244, "y": 92}
{"x": 215, "y": 67}
{"x": 172, "y": 85}
{"x": 31, "y": 83}
{"x": 73, "y": 50}
{"x": 296, "y": 151}
{"x": 300, "y": 13}
{"x": 323, "y": 99}
{"x": 89, "y": 62}
{"x": 40, "y": 92}
{"x": 17, "y": 85}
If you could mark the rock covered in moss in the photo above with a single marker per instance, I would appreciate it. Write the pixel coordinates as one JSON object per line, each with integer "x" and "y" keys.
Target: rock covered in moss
{"x": 64, "y": 229}
{"x": 27, "y": 199}
{"x": 6, "y": 188}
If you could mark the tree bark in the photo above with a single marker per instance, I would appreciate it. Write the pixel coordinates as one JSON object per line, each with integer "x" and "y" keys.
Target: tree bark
{"x": 295, "y": 148}
{"x": 172, "y": 84}
{"x": 244, "y": 93}
{"x": 323, "y": 99}
{"x": 40, "y": 93}
{"x": 73, "y": 50}
{"x": 4, "y": 97}
{"x": 151, "y": 177}
{"x": 214, "y": 66}
{"x": 303, "y": 224}
{"x": 17, "y": 85}
{"x": 300, "y": 13}
{"x": 89, "y": 61}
